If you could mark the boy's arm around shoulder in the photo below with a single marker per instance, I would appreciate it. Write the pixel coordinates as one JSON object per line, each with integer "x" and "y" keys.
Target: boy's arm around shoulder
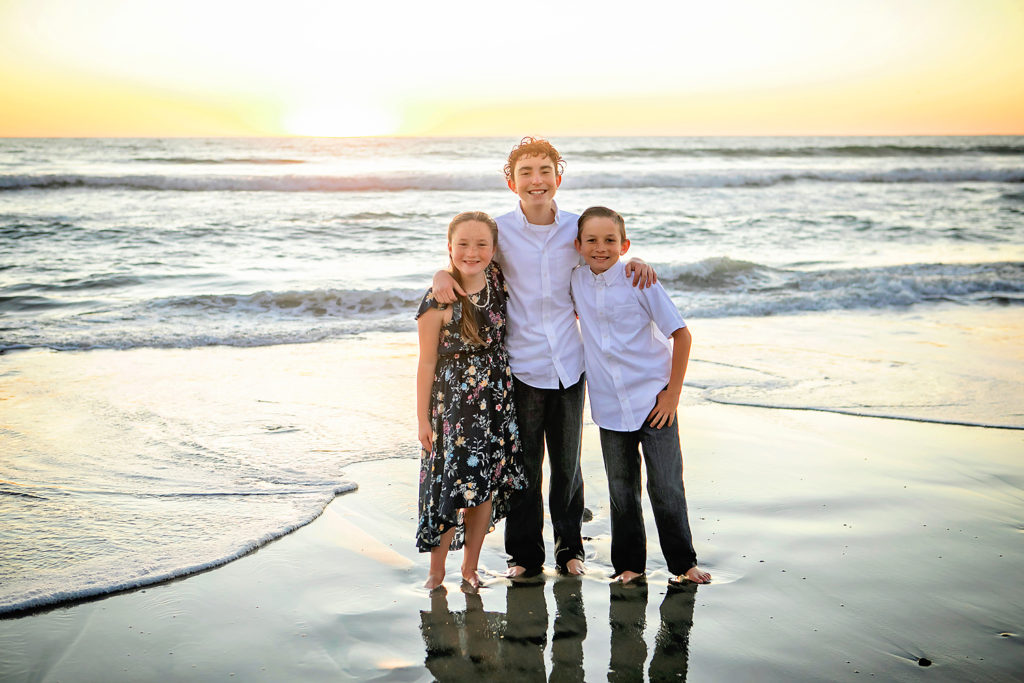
{"x": 445, "y": 287}
{"x": 642, "y": 273}
{"x": 668, "y": 399}
{"x": 573, "y": 287}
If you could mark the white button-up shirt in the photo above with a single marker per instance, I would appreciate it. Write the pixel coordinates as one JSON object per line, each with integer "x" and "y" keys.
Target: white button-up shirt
{"x": 544, "y": 345}
{"x": 625, "y": 341}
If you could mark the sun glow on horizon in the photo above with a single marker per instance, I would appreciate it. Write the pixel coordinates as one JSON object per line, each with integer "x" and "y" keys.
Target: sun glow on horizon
{"x": 339, "y": 119}
{"x": 738, "y": 67}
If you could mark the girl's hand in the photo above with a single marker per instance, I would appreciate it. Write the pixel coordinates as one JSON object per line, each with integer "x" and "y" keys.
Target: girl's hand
{"x": 664, "y": 412}
{"x": 643, "y": 275}
{"x": 445, "y": 287}
{"x": 426, "y": 437}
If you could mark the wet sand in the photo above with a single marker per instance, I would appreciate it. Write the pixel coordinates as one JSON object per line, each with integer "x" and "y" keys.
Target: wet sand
{"x": 843, "y": 548}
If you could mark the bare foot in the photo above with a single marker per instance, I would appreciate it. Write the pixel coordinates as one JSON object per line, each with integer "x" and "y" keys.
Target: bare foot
{"x": 697, "y": 575}
{"x": 515, "y": 572}
{"x": 575, "y": 567}
{"x": 626, "y": 576}
{"x": 471, "y": 578}
{"x": 433, "y": 581}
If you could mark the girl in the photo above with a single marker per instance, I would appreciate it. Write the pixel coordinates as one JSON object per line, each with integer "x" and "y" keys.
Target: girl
{"x": 470, "y": 465}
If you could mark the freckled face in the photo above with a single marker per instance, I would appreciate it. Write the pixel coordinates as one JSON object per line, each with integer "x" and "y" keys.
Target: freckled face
{"x": 601, "y": 243}
{"x": 471, "y": 247}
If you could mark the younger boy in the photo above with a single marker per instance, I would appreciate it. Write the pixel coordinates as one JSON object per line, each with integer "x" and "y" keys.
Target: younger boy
{"x": 634, "y": 381}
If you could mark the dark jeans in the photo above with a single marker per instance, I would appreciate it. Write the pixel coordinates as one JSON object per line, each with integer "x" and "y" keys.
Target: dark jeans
{"x": 664, "y": 460}
{"x": 554, "y": 416}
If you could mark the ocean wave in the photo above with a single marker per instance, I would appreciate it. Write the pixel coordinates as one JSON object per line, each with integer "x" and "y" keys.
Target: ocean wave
{"x": 271, "y": 161}
{"x": 771, "y": 178}
{"x": 489, "y": 182}
{"x": 128, "y": 336}
{"x": 251, "y": 183}
{"x": 719, "y": 272}
{"x": 718, "y": 287}
{"x": 843, "y": 151}
{"x": 30, "y": 302}
{"x": 317, "y": 303}
{"x": 44, "y": 595}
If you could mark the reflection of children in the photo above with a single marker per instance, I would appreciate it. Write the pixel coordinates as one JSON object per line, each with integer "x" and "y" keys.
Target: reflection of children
{"x": 467, "y": 425}
{"x": 634, "y": 380}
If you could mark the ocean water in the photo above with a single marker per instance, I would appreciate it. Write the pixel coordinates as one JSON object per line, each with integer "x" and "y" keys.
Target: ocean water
{"x": 873, "y": 276}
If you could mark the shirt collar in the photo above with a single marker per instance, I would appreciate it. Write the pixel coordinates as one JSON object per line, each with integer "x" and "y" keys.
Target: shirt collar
{"x": 613, "y": 274}
{"x": 522, "y": 216}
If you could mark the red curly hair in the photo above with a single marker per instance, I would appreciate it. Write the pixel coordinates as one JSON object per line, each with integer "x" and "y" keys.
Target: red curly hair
{"x": 533, "y": 147}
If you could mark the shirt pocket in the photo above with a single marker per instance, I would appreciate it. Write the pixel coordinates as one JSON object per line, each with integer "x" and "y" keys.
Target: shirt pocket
{"x": 629, "y": 320}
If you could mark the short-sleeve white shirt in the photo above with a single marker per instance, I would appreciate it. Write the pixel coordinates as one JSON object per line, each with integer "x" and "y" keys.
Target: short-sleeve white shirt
{"x": 626, "y": 346}
{"x": 544, "y": 344}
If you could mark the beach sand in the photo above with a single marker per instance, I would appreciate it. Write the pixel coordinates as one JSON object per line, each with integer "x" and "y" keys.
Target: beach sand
{"x": 842, "y": 548}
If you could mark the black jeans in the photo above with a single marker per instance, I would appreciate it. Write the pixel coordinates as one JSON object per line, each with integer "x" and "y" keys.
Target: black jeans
{"x": 554, "y": 416}
{"x": 664, "y": 461}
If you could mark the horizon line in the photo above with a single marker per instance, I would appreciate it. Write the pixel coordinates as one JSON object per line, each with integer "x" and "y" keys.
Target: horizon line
{"x": 394, "y": 136}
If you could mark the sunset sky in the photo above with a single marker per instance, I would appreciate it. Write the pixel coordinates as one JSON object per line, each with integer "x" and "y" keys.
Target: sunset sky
{"x": 732, "y": 67}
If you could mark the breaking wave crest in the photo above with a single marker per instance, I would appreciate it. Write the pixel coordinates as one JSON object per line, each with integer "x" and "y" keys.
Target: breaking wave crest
{"x": 489, "y": 182}
{"x": 800, "y": 151}
{"x": 718, "y": 287}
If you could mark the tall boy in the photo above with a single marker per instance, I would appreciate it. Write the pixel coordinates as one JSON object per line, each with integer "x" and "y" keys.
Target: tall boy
{"x": 536, "y": 252}
{"x": 634, "y": 380}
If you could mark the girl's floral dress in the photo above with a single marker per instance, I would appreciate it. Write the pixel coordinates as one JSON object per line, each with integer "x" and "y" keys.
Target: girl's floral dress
{"x": 476, "y": 440}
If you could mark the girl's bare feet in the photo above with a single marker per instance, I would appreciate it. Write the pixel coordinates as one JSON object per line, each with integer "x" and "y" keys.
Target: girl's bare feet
{"x": 515, "y": 572}
{"x": 433, "y": 581}
{"x": 575, "y": 567}
{"x": 471, "y": 578}
{"x": 627, "y": 576}
{"x": 694, "y": 574}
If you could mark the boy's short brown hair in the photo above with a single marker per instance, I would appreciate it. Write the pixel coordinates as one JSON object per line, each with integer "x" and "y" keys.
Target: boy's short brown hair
{"x": 533, "y": 147}
{"x": 602, "y": 212}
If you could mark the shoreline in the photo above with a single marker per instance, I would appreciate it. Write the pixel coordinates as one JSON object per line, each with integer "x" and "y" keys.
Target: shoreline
{"x": 150, "y": 582}
{"x": 850, "y": 413}
{"x": 852, "y": 554}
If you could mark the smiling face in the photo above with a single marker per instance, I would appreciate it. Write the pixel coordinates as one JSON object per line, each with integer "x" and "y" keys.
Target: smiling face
{"x": 535, "y": 179}
{"x": 471, "y": 247}
{"x": 601, "y": 243}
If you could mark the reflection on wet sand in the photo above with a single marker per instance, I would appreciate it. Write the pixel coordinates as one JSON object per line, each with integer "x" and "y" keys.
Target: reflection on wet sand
{"x": 627, "y": 615}
{"x": 672, "y": 644}
{"x": 462, "y": 645}
{"x": 470, "y": 644}
{"x": 525, "y": 632}
{"x": 570, "y": 630}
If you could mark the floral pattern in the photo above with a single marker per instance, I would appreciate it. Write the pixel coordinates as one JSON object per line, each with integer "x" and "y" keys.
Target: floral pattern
{"x": 476, "y": 439}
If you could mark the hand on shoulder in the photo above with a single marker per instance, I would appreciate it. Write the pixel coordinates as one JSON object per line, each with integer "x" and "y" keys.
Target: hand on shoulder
{"x": 445, "y": 287}
{"x": 643, "y": 274}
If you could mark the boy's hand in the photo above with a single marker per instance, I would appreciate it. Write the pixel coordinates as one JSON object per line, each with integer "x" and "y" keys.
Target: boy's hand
{"x": 426, "y": 437}
{"x": 642, "y": 274}
{"x": 664, "y": 412}
{"x": 445, "y": 287}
